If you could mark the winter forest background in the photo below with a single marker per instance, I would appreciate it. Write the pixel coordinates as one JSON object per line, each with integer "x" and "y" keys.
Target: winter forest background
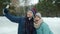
{"x": 48, "y": 8}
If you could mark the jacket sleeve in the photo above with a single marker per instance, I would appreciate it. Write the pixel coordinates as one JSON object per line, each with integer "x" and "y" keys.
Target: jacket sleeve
{"x": 46, "y": 29}
{"x": 12, "y": 18}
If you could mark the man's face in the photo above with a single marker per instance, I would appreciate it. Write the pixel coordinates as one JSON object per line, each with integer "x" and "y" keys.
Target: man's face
{"x": 29, "y": 14}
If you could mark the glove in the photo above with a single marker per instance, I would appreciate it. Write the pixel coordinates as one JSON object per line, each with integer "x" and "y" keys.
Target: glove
{"x": 6, "y": 10}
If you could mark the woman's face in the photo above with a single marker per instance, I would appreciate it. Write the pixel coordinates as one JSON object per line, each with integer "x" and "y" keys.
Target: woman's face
{"x": 37, "y": 18}
{"x": 29, "y": 14}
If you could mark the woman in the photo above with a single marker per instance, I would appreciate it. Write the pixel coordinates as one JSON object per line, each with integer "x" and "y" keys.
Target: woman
{"x": 41, "y": 27}
{"x": 26, "y": 25}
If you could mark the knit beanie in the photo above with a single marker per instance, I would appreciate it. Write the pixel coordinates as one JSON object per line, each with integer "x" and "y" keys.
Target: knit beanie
{"x": 38, "y": 14}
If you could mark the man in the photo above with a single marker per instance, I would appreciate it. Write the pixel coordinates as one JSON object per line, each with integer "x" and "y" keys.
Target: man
{"x": 26, "y": 25}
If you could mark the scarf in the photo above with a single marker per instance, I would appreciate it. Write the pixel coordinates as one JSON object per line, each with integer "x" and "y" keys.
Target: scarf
{"x": 37, "y": 25}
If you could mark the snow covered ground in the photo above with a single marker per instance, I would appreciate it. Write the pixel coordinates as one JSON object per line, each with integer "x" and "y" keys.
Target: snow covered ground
{"x": 7, "y": 27}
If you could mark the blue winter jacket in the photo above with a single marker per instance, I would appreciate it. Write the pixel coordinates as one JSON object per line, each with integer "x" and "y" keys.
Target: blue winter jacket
{"x": 21, "y": 21}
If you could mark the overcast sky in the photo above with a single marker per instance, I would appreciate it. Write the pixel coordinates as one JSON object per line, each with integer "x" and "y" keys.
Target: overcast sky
{"x": 31, "y": 2}
{"x": 34, "y": 1}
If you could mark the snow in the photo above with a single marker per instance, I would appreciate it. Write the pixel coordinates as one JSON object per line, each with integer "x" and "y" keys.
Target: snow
{"x": 8, "y": 27}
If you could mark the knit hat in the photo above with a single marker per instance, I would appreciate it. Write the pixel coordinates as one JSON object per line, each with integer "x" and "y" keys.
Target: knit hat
{"x": 38, "y": 14}
{"x": 33, "y": 11}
